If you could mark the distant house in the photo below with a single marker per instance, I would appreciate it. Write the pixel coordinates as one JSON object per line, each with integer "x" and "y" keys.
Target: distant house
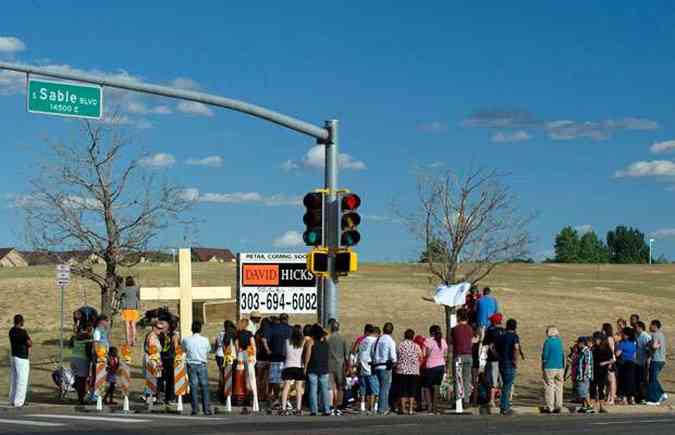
{"x": 10, "y": 257}
{"x": 211, "y": 255}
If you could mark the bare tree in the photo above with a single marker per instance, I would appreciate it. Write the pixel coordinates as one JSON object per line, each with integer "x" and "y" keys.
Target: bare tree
{"x": 472, "y": 221}
{"x": 91, "y": 196}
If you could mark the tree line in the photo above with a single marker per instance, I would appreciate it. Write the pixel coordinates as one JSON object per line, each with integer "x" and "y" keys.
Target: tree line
{"x": 623, "y": 245}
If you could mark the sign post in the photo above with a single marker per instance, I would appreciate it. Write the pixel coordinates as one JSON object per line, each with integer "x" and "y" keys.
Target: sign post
{"x": 64, "y": 99}
{"x": 275, "y": 283}
{"x": 62, "y": 281}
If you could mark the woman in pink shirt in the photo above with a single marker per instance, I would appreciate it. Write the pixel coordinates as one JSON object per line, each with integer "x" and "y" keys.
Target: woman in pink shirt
{"x": 436, "y": 352}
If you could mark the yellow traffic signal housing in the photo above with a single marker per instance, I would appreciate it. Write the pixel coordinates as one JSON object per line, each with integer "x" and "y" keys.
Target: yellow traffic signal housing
{"x": 317, "y": 261}
{"x": 346, "y": 261}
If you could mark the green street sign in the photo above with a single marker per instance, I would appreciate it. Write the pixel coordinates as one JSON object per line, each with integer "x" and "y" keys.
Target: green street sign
{"x": 65, "y": 99}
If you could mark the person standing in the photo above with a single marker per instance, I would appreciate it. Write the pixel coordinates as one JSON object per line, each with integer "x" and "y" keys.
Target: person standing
{"x": 643, "y": 340}
{"x": 293, "y": 373}
{"x": 316, "y": 370}
{"x": 274, "y": 340}
{"x": 196, "y": 350}
{"x": 368, "y": 384}
{"x": 384, "y": 359}
{"x": 608, "y": 331}
{"x": 254, "y": 322}
{"x": 80, "y": 362}
{"x": 626, "y": 351}
{"x": 461, "y": 340}
{"x": 486, "y": 307}
{"x": 507, "y": 348}
{"x": 436, "y": 354}
{"x": 655, "y": 393}
{"x": 130, "y": 304}
{"x": 408, "y": 368}
{"x": 169, "y": 340}
{"x": 584, "y": 374}
{"x": 603, "y": 358}
{"x": 338, "y": 362}
{"x": 20, "y": 343}
{"x": 553, "y": 368}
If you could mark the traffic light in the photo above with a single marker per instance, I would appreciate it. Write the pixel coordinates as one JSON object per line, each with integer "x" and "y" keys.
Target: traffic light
{"x": 350, "y": 220}
{"x": 346, "y": 261}
{"x": 317, "y": 261}
{"x": 313, "y": 219}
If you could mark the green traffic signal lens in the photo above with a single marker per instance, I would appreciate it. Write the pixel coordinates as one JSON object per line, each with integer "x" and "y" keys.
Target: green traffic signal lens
{"x": 312, "y": 237}
{"x": 350, "y": 238}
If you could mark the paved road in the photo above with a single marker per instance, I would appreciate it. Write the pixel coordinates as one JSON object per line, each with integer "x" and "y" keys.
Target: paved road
{"x": 156, "y": 424}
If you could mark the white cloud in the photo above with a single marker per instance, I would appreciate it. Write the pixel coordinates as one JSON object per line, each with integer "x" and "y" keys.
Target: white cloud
{"x": 664, "y": 233}
{"x": 653, "y": 168}
{"x": 279, "y": 199}
{"x": 562, "y": 129}
{"x": 374, "y": 218}
{"x": 583, "y": 229}
{"x": 288, "y": 240}
{"x": 185, "y": 83}
{"x": 11, "y": 44}
{"x": 140, "y": 108}
{"x": 210, "y": 161}
{"x": 158, "y": 161}
{"x": 516, "y": 136}
{"x": 194, "y": 108}
{"x": 316, "y": 159}
{"x": 433, "y": 127}
{"x": 663, "y": 147}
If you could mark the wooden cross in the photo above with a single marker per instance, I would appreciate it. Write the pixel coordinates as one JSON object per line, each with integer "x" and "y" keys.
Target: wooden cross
{"x": 185, "y": 293}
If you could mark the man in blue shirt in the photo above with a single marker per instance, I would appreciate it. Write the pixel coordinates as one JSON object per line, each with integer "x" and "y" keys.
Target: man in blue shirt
{"x": 553, "y": 366}
{"x": 507, "y": 348}
{"x": 487, "y": 306}
{"x": 274, "y": 342}
{"x": 384, "y": 359}
{"x": 196, "y": 350}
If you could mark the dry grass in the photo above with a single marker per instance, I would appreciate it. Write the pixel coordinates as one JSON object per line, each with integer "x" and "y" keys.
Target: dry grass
{"x": 578, "y": 299}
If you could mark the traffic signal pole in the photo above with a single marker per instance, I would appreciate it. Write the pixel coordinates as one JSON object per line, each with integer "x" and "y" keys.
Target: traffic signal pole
{"x": 331, "y": 222}
{"x": 327, "y": 135}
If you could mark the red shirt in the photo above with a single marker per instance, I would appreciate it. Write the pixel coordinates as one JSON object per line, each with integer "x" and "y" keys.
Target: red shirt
{"x": 462, "y": 335}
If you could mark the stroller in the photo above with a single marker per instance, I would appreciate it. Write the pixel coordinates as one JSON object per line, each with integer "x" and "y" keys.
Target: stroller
{"x": 64, "y": 380}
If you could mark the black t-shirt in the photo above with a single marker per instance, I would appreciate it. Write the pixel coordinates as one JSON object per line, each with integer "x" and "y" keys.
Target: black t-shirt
{"x": 318, "y": 360}
{"x": 18, "y": 339}
{"x": 244, "y": 337}
{"x": 600, "y": 355}
{"x": 276, "y": 336}
{"x": 505, "y": 346}
{"x": 491, "y": 336}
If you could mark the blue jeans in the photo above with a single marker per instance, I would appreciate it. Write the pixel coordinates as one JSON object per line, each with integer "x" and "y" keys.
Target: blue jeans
{"x": 198, "y": 374}
{"x": 384, "y": 378}
{"x": 315, "y": 382}
{"x": 508, "y": 377}
{"x": 654, "y": 389}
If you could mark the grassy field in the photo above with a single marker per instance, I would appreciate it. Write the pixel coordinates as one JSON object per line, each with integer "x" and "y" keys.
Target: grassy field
{"x": 578, "y": 299}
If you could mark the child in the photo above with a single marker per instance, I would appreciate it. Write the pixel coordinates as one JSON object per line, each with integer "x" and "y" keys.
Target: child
{"x": 113, "y": 365}
{"x": 584, "y": 375}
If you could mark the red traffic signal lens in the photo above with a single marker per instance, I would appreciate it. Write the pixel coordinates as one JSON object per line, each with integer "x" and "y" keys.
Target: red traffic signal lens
{"x": 351, "y": 201}
{"x": 313, "y": 200}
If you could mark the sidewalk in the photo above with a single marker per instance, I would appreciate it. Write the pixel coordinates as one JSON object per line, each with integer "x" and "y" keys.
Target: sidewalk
{"x": 140, "y": 408}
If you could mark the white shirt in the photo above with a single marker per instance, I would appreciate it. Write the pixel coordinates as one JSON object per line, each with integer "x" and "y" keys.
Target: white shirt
{"x": 293, "y": 356}
{"x": 252, "y": 327}
{"x": 196, "y": 349}
{"x": 364, "y": 356}
{"x": 385, "y": 351}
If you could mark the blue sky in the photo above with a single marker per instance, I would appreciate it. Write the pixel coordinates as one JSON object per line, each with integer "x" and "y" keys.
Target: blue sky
{"x": 574, "y": 100}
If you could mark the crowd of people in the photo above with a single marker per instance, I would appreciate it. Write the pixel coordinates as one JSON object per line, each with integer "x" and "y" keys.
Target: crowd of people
{"x": 611, "y": 366}
{"x": 290, "y": 368}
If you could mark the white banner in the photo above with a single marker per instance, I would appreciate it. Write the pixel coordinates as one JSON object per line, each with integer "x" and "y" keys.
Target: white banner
{"x": 275, "y": 283}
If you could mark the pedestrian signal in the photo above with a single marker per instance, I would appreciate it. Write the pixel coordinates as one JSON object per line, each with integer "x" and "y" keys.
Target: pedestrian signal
{"x": 317, "y": 261}
{"x": 346, "y": 261}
